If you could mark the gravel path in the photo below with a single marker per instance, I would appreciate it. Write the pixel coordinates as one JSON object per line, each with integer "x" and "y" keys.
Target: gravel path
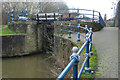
{"x": 106, "y": 44}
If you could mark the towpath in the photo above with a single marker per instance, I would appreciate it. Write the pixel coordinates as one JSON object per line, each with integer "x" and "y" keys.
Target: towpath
{"x": 106, "y": 44}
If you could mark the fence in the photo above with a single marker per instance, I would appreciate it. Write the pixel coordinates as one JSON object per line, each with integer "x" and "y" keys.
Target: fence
{"x": 83, "y": 15}
{"x": 76, "y": 54}
{"x": 17, "y": 15}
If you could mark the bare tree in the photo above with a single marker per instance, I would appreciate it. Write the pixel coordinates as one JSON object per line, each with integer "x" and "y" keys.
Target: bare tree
{"x": 32, "y": 7}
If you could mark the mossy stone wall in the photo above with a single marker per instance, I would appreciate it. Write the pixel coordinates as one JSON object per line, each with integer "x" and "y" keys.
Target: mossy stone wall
{"x": 33, "y": 40}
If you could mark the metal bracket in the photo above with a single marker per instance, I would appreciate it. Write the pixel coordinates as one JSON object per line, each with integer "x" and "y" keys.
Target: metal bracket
{"x": 91, "y": 53}
{"x": 76, "y": 56}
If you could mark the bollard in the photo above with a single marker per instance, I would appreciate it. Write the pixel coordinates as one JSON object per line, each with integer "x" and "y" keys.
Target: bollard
{"x": 61, "y": 30}
{"x": 75, "y": 65}
{"x": 87, "y": 68}
{"x": 78, "y": 33}
{"x": 69, "y": 30}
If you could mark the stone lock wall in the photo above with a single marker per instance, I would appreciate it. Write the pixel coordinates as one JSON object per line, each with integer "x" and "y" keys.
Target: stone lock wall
{"x": 34, "y": 40}
{"x": 12, "y": 45}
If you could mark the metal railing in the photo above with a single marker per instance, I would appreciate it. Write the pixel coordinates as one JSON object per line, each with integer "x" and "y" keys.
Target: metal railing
{"x": 76, "y": 53}
{"x": 101, "y": 21}
{"x": 45, "y": 17}
{"x": 75, "y": 56}
{"x": 83, "y": 15}
{"x": 17, "y": 15}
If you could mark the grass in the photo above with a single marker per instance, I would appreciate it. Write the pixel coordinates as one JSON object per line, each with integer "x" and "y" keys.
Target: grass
{"x": 7, "y": 31}
{"x": 2, "y": 26}
{"x": 93, "y": 62}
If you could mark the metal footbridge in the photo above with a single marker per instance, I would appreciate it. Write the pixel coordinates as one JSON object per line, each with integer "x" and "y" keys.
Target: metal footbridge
{"x": 67, "y": 14}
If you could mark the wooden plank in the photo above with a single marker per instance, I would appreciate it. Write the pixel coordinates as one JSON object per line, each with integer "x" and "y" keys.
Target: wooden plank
{"x": 48, "y": 14}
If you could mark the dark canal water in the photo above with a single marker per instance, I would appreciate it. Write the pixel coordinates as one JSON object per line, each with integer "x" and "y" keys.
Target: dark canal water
{"x": 33, "y": 66}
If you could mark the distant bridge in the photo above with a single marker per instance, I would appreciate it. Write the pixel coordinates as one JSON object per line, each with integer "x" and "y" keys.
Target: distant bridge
{"x": 82, "y": 15}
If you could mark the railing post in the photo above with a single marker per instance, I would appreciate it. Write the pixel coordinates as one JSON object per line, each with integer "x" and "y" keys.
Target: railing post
{"x": 86, "y": 29}
{"x": 26, "y": 15}
{"x": 37, "y": 19}
{"x": 93, "y": 16}
{"x": 12, "y": 16}
{"x": 61, "y": 18}
{"x": 58, "y": 15}
{"x": 99, "y": 17}
{"x": 78, "y": 32}
{"x": 78, "y": 14}
{"x": 75, "y": 65}
{"x": 87, "y": 68}
{"x": 75, "y": 70}
{"x": 69, "y": 16}
{"x": 46, "y": 16}
{"x": 91, "y": 42}
{"x": 61, "y": 30}
{"x": 69, "y": 30}
{"x": 17, "y": 18}
{"x": 54, "y": 17}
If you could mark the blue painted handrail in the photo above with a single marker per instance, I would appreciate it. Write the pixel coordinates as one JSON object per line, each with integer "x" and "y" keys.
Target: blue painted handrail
{"x": 95, "y": 16}
{"x": 101, "y": 21}
{"x": 14, "y": 15}
{"x": 87, "y": 44}
{"x": 75, "y": 57}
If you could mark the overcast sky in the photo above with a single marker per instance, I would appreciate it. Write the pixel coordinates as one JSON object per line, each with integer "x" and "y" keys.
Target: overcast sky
{"x": 103, "y": 6}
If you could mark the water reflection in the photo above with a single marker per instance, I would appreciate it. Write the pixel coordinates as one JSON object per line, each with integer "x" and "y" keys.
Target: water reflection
{"x": 33, "y": 66}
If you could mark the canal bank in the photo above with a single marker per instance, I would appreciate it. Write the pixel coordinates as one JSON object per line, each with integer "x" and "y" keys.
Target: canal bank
{"x": 40, "y": 65}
